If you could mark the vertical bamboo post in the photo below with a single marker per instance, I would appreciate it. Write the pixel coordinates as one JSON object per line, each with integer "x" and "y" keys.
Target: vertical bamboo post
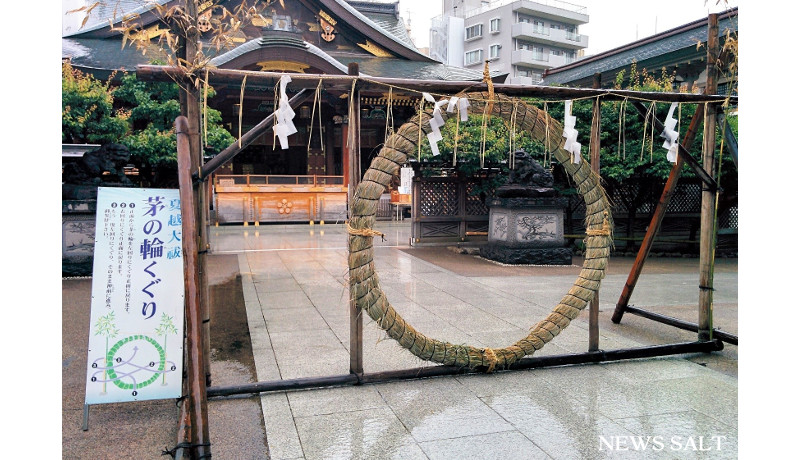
{"x": 707, "y": 215}
{"x": 354, "y": 133}
{"x": 189, "y": 97}
{"x": 594, "y": 158}
{"x": 195, "y": 362}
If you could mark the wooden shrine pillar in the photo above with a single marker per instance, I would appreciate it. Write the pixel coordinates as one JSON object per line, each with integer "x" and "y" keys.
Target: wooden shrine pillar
{"x": 330, "y": 147}
{"x": 708, "y": 230}
{"x": 594, "y": 159}
{"x": 346, "y": 159}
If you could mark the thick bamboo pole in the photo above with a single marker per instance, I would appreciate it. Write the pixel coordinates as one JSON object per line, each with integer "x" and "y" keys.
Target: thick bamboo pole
{"x": 196, "y": 382}
{"x": 354, "y": 172}
{"x": 708, "y": 227}
{"x": 594, "y": 158}
{"x": 533, "y": 362}
{"x": 188, "y": 97}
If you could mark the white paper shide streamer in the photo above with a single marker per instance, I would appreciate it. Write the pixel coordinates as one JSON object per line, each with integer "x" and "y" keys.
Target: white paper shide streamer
{"x": 671, "y": 135}
{"x": 462, "y": 103}
{"x": 571, "y": 144}
{"x": 437, "y": 121}
{"x": 284, "y": 127}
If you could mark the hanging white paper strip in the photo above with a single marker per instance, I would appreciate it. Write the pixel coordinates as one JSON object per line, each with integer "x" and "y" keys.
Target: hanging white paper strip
{"x": 284, "y": 126}
{"x": 436, "y": 122}
{"x": 462, "y": 103}
{"x": 452, "y": 104}
{"x": 571, "y": 134}
{"x": 671, "y": 135}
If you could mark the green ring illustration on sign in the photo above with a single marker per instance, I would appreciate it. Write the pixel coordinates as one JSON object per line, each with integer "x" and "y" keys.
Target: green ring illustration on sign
{"x": 112, "y": 374}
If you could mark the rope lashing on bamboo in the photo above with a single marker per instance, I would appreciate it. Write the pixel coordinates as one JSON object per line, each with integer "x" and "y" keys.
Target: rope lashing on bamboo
{"x": 367, "y": 232}
{"x": 365, "y": 290}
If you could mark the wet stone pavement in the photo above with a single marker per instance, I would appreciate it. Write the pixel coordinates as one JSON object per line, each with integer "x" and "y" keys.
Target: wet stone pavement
{"x": 295, "y": 292}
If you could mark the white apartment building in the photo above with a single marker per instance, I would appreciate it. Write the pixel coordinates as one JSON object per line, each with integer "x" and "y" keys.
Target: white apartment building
{"x": 521, "y": 38}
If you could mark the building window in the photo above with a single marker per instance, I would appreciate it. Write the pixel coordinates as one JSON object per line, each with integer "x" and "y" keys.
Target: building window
{"x": 475, "y": 31}
{"x": 494, "y": 25}
{"x": 473, "y": 57}
{"x": 556, "y": 52}
{"x": 538, "y": 27}
{"x": 494, "y": 52}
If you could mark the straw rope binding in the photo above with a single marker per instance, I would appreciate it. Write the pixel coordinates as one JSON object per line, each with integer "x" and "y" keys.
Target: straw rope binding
{"x": 364, "y": 231}
{"x": 365, "y": 288}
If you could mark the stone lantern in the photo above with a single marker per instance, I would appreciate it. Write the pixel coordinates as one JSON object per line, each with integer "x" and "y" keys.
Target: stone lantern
{"x": 526, "y": 218}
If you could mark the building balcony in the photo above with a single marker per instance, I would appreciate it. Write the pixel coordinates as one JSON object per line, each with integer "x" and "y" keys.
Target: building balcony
{"x": 523, "y": 81}
{"x": 528, "y": 58}
{"x": 547, "y": 36}
{"x": 552, "y": 9}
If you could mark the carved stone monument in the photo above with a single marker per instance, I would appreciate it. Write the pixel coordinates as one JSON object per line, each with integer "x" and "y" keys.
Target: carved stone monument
{"x": 526, "y": 218}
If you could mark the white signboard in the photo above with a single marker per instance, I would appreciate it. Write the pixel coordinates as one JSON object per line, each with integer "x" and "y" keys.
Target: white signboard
{"x": 406, "y": 174}
{"x": 136, "y": 329}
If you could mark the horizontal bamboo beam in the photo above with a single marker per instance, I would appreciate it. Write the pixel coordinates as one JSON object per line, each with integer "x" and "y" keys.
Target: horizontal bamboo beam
{"x": 681, "y": 324}
{"x": 382, "y": 84}
{"x": 533, "y": 362}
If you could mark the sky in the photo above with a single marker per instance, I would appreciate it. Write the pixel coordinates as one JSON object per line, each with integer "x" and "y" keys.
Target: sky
{"x": 612, "y": 23}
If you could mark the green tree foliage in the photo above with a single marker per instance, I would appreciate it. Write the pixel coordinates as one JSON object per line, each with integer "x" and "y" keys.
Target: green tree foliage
{"x": 139, "y": 115}
{"x": 87, "y": 109}
{"x": 481, "y": 152}
{"x": 153, "y": 109}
